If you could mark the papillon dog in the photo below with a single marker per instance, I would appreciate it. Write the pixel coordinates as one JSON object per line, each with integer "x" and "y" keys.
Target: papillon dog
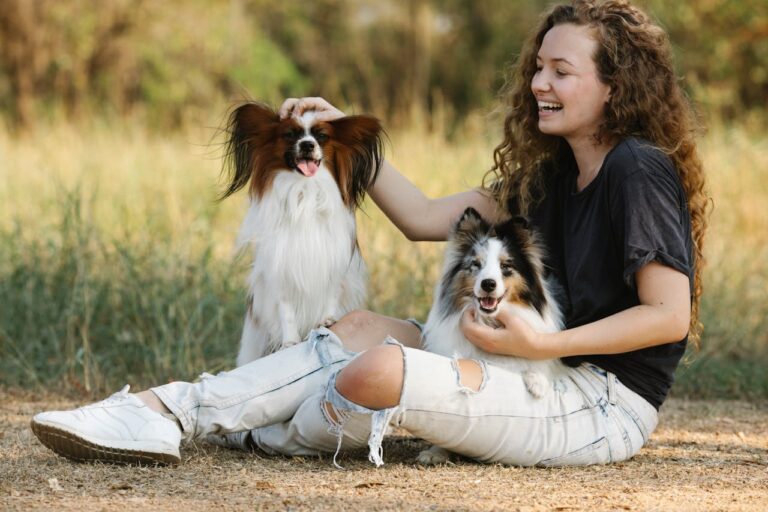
{"x": 305, "y": 179}
{"x": 487, "y": 268}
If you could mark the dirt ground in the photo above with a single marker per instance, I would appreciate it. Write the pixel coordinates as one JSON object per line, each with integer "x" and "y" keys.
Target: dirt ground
{"x": 703, "y": 456}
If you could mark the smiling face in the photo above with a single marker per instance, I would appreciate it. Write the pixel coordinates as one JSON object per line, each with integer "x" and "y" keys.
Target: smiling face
{"x": 571, "y": 98}
{"x": 489, "y": 271}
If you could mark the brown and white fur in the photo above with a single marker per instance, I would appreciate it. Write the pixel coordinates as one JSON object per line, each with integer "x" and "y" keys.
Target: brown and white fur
{"x": 305, "y": 180}
{"x": 486, "y": 268}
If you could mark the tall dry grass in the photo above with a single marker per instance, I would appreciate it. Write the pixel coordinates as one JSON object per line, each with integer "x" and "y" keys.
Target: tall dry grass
{"x": 116, "y": 261}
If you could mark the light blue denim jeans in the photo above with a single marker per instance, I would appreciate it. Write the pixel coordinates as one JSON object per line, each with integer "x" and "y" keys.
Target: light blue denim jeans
{"x": 588, "y": 417}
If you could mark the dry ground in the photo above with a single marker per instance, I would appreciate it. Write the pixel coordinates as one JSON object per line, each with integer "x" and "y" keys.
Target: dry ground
{"x": 704, "y": 456}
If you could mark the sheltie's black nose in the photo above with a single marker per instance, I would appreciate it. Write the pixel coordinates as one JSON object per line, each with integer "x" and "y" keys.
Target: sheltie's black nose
{"x": 488, "y": 285}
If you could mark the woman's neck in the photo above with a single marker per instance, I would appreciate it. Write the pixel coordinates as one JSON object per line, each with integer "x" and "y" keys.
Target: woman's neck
{"x": 589, "y": 157}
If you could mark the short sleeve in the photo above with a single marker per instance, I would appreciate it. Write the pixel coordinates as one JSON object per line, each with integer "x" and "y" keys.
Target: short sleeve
{"x": 650, "y": 216}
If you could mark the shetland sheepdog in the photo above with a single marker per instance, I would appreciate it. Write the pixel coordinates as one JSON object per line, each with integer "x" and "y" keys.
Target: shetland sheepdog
{"x": 305, "y": 181}
{"x": 486, "y": 268}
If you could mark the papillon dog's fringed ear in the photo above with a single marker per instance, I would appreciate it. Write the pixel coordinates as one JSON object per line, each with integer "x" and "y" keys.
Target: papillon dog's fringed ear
{"x": 359, "y": 155}
{"x": 250, "y": 126}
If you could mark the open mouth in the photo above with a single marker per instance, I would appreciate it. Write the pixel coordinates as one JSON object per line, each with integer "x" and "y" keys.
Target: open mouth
{"x": 546, "y": 106}
{"x": 488, "y": 305}
{"x": 307, "y": 166}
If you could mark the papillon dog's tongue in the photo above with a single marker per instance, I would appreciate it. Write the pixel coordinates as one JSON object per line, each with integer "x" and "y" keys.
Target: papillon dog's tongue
{"x": 307, "y": 167}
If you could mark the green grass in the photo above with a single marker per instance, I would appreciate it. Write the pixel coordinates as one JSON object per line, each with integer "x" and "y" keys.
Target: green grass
{"x": 116, "y": 262}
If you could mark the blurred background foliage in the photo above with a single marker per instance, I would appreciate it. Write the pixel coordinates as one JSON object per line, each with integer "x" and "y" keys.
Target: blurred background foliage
{"x": 168, "y": 62}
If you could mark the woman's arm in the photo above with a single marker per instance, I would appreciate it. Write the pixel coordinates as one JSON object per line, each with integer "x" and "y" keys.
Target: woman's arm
{"x": 418, "y": 217}
{"x": 415, "y": 215}
{"x": 663, "y": 316}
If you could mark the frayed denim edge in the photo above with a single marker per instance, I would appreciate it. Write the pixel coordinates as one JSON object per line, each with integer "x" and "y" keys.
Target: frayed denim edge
{"x": 380, "y": 419}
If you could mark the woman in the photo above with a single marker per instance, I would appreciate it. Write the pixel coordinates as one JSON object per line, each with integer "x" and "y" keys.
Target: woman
{"x": 598, "y": 151}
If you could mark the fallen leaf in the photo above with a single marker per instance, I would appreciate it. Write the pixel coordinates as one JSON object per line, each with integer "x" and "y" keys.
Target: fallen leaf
{"x": 261, "y": 484}
{"x": 53, "y": 483}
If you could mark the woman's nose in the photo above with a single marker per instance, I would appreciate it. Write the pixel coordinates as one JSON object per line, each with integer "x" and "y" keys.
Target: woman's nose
{"x": 539, "y": 82}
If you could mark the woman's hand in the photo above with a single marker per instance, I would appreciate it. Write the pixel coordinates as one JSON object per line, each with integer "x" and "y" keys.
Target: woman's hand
{"x": 324, "y": 111}
{"x": 514, "y": 338}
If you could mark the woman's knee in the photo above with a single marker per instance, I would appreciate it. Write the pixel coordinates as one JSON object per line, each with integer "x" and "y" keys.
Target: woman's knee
{"x": 360, "y": 330}
{"x": 374, "y": 379}
{"x": 353, "y": 322}
{"x": 470, "y": 374}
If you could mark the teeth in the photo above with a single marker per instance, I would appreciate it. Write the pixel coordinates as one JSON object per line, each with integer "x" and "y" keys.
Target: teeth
{"x": 550, "y": 106}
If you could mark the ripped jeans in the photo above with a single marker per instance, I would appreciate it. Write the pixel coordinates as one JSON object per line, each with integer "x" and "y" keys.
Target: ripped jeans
{"x": 588, "y": 417}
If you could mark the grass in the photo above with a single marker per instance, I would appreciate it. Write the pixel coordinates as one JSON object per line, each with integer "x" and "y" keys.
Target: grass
{"x": 116, "y": 261}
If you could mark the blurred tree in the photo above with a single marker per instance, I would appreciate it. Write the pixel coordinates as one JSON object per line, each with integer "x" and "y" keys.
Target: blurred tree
{"x": 170, "y": 61}
{"x": 722, "y": 49}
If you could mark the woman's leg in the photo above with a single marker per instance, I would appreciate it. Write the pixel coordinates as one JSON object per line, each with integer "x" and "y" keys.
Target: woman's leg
{"x": 374, "y": 380}
{"x": 266, "y": 391}
{"x": 358, "y": 331}
{"x": 487, "y": 413}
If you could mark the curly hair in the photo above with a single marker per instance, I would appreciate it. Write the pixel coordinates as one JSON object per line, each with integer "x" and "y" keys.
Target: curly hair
{"x": 634, "y": 58}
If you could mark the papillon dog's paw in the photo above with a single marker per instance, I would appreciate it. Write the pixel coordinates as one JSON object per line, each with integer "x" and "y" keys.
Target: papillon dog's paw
{"x": 328, "y": 322}
{"x": 434, "y": 456}
{"x": 290, "y": 343}
{"x": 537, "y": 383}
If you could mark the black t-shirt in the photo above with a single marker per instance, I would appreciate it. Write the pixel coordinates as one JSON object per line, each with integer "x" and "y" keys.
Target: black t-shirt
{"x": 635, "y": 211}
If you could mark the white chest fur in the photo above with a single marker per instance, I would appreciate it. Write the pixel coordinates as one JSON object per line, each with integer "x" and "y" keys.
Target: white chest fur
{"x": 306, "y": 269}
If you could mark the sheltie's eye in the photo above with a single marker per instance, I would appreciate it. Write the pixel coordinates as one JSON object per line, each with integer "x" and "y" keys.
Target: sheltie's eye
{"x": 319, "y": 135}
{"x": 474, "y": 265}
{"x": 507, "y": 268}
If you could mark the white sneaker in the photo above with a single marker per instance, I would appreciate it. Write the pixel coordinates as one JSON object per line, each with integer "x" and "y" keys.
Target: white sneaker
{"x": 234, "y": 441}
{"x": 120, "y": 429}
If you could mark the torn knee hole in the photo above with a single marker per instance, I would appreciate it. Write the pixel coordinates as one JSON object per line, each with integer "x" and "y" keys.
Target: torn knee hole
{"x": 471, "y": 374}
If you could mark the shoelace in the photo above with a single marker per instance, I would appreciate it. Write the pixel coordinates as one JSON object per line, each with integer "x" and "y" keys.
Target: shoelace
{"x": 116, "y": 397}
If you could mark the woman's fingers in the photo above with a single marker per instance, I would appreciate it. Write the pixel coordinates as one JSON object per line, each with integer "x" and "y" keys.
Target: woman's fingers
{"x": 324, "y": 111}
{"x": 286, "y": 109}
{"x": 475, "y": 332}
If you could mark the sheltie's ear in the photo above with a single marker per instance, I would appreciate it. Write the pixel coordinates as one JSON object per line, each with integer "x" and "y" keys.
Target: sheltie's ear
{"x": 521, "y": 221}
{"x": 359, "y": 153}
{"x": 251, "y": 129}
{"x": 517, "y": 227}
{"x": 470, "y": 225}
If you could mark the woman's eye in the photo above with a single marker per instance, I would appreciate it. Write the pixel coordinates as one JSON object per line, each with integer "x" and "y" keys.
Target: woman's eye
{"x": 560, "y": 72}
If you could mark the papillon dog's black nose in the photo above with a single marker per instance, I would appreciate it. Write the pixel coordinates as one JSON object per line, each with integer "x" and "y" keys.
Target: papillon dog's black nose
{"x": 488, "y": 285}
{"x": 306, "y": 146}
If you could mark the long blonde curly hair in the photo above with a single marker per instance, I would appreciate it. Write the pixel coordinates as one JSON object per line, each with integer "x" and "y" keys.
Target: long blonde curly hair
{"x": 634, "y": 58}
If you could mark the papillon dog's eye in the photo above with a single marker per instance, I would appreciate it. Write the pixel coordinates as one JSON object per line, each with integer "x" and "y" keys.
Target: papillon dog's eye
{"x": 319, "y": 135}
{"x": 291, "y": 135}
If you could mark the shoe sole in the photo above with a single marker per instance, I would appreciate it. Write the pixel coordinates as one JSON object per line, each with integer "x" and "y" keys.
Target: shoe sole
{"x": 78, "y": 449}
